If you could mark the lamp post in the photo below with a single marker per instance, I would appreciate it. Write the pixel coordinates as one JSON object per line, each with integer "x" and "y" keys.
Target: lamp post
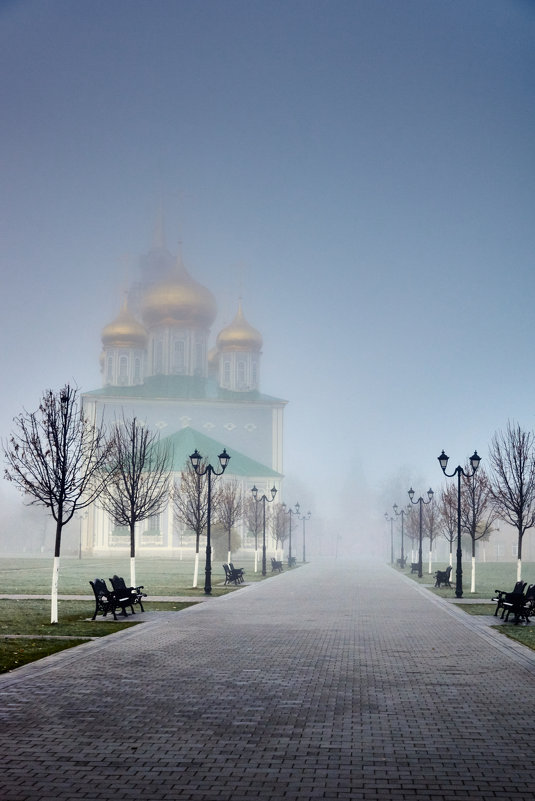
{"x": 402, "y": 515}
{"x": 290, "y": 512}
{"x": 421, "y": 501}
{"x": 256, "y": 538}
{"x": 263, "y": 500}
{"x": 391, "y": 520}
{"x": 474, "y": 462}
{"x": 304, "y": 518}
{"x": 196, "y": 461}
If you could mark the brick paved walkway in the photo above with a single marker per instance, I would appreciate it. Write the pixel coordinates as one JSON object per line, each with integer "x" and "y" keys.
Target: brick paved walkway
{"x": 313, "y": 685}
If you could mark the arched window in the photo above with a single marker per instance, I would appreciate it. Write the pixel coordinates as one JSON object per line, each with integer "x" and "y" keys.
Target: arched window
{"x": 199, "y": 352}
{"x": 226, "y": 373}
{"x": 123, "y": 370}
{"x": 241, "y": 374}
{"x": 179, "y": 356}
{"x": 158, "y": 357}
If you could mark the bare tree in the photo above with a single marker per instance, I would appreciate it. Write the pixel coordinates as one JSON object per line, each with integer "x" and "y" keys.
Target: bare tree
{"x": 412, "y": 529}
{"x": 448, "y": 515}
{"x": 512, "y": 459}
{"x": 478, "y": 512}
{"x": 190, "y": 505}
{"x": 279, "y": 525}
{"x": 140, "y": 471}
{"x": 57, "y": 457}
{"x": 253, "y": 521}
{"x": 230, "y": 509}
{"x": 431, "y": 523}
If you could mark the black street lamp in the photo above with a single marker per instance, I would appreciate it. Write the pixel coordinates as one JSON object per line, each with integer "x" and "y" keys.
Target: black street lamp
{"x": 290, "y": 512}
{"x": 304, "y": 518}
{"x": 263, "y": 500}
{"x": 402, "y": 515}
{"x": 256, "y": 538}
{"x": 196, "y": 461}
{"x": 391, "y": 521}
{"x": 474, "y": 462}
{"x": 420, "y": 500}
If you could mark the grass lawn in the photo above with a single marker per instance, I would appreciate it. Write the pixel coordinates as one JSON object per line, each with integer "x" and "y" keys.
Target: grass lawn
{"x": 38, "y": 637}
{"x": 477, "y": 609}
{"x": 160, "y": 576}
{"x": 15, "y": 653}
{"x": 490, "y": 576}
{"x": 26, "y": 633}
{"x": 520, "y": 633}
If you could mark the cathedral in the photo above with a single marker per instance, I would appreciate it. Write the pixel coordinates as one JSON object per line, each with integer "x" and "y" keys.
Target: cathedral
{"x": 160, "y": 364}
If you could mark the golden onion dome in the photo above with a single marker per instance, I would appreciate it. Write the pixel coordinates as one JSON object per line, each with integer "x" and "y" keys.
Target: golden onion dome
{"x": 179, "y": 300}
{"x": 125, "y": 331}
{"x": 239, "y": 335}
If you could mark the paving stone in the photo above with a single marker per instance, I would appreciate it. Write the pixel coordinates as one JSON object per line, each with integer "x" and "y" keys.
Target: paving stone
{"x": 312, "y": 685}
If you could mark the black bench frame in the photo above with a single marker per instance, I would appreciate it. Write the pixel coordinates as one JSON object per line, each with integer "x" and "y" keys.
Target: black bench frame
{"x": 134, "y": 593}
{"x": 503, "y": 596}
{"x": 276, "y": 565}
{"x": 443, "y": 577}
{"x": 232, "y": 576}
{"x": 105, "y": 600}
{"x": 239, "y": 571}
{"x": 521, "y": 605}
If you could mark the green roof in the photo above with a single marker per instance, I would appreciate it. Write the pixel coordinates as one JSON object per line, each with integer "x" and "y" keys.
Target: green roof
{"x": 181, "y": 387}
{"x": 184, "y": 442}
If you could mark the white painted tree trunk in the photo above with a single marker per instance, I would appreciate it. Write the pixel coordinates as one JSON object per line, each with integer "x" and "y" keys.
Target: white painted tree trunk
{"x": 133, "y": 571}
{"x": 229, "y": 557}
{"x": 196, "y": 569}
{"x": 54, "y": 593}
{"x": 473, "y": 582}
{"x": 519, "y": 570}
{"x": 256, "y": 561}
{"x": 430, "y": 562}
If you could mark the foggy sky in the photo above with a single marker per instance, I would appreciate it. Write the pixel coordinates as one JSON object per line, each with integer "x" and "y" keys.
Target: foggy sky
{"x": 361, "y": 172}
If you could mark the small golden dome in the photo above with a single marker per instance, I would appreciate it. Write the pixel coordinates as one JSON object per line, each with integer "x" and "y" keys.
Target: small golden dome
{"x": 125, "y": 331}
{"x": 179, "y": 300}
{"x": 239, "y": 335}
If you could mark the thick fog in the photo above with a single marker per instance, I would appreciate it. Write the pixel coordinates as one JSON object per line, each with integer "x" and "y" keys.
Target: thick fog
{"x": 361, "y": 174}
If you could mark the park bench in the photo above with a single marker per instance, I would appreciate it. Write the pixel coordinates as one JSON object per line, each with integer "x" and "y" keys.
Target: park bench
{"x": 291, "y": 561}
{"x": 239, "y": 572}
{"x": 135, "y": 593}
{"x": 521, "y": 605}
{"x": 231, "y": 576}
{"x": 401, "y": 562}
{"x": 443, "y": 577}
{"x": 276, "y": 565}
{"x": 415, "y": 567}
{"x": 105, "y": 600}
{"x": 503, "y": 595}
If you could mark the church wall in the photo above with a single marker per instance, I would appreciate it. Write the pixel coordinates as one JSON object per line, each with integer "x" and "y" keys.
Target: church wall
{"x": 253, "y": 429}
{"x": 159, "y": 338}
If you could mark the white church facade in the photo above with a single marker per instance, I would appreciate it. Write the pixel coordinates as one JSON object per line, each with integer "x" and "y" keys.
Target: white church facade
{"x": 160, "y": 364}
